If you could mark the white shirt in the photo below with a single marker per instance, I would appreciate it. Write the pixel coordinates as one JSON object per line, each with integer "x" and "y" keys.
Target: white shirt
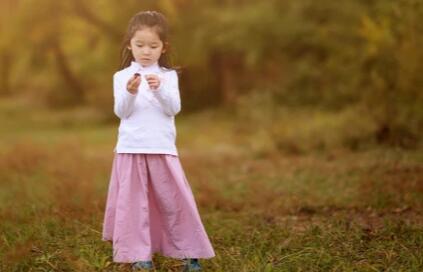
{"x": 147, "y": 118}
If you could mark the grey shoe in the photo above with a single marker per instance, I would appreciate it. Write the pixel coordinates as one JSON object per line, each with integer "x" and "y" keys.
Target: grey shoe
{"x": 142, "y": 265}
{"x": 191, "y": 265}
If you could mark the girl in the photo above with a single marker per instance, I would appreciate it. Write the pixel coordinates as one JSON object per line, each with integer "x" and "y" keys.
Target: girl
{"x": 150, "y": 206}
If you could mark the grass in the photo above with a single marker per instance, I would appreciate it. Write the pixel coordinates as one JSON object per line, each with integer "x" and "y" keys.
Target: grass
{"x": 334, "y": 209}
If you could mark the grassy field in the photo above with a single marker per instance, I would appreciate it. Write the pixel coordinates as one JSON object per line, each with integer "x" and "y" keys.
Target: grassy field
{"x": 264, "y": 209}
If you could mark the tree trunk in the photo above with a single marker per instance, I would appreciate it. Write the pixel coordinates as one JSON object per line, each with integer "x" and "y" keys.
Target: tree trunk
{"x": 84, "y": 12}
{"x": 5, "y": 68}
{"x": 227, "y": 67}
{"x": 74, "y": 85}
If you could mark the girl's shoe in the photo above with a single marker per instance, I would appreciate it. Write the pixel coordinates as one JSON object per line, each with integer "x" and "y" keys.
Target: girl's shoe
{"x": 191, "y": 265}
{"x": 146, "y": 265}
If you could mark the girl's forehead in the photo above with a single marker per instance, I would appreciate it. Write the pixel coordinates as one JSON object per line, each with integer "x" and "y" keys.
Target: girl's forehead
{"x": 146, "y": 34}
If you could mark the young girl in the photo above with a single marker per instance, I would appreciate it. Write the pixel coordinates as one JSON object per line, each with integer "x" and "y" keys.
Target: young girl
{"x": 150, "y": 206}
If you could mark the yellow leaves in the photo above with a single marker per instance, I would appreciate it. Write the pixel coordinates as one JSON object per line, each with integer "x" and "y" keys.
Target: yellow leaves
{"x": 377, "y": 34}
{"x": 169, "y": 8}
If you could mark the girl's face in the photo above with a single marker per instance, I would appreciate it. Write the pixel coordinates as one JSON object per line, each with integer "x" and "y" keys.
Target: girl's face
{"x": 146, "y": 46}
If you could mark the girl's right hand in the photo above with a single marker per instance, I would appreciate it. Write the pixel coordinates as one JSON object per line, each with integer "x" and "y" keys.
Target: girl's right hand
{"x": 133, "y": 83}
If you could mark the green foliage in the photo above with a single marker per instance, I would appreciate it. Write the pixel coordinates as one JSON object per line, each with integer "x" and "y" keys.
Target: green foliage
{"x": 326, "y": 54}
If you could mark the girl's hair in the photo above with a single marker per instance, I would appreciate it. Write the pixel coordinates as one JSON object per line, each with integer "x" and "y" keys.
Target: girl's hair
{"x": 156, "y": 21}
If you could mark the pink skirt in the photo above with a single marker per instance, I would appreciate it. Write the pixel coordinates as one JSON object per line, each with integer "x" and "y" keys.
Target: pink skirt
{"x": 151, "y": 208}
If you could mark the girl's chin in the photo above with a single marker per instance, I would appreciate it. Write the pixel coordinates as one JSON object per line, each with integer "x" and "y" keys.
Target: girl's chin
{"x": 145, "y": 62}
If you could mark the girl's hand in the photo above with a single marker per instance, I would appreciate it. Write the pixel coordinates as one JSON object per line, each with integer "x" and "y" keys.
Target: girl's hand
{"x": 133, "y": 83}
{"x": 153, "y": 81}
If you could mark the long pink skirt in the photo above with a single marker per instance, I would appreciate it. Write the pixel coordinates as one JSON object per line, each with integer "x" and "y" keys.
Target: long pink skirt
{"x": 151, "y": 208}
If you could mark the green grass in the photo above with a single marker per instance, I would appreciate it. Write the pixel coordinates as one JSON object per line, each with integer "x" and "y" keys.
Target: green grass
{"x": 264, "y": 209}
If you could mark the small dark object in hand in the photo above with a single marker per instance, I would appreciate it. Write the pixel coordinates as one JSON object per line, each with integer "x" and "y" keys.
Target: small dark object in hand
{"x": 137, "y": 75}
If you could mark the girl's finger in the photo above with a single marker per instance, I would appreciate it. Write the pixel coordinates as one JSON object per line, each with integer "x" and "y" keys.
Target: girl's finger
{"x": 134, "y": 81}
{"x": 136, "y": 78}
{"x": 133, "y": 84}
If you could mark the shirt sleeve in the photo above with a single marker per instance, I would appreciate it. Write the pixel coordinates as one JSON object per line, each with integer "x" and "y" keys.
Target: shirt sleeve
{"x": 124, "y": 101}
{"x": 168, "y": 94}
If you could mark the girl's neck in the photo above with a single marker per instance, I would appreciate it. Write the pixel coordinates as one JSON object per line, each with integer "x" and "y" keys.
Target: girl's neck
{"x": 156, "y": 64}
{"x": 150, "y": 68}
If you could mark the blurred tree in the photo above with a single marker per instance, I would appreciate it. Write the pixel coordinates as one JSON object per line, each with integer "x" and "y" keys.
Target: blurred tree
{"x": 81, "y": 9}
{"x": 8, "y": 18}
{"x": 391, "y": 62}
{"x": 43, "y": 29}
{"x": 328, "y": 54}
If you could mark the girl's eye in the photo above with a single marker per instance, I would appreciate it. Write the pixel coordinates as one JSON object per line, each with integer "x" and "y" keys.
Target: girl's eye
{"x": 154, "y": 47}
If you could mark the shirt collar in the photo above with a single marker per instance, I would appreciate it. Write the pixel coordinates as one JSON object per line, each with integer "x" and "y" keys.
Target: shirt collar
{"x": 136, "y": 67}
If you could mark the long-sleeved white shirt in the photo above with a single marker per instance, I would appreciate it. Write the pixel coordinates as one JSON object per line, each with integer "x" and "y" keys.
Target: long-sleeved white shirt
{"x": 147, "y": 118}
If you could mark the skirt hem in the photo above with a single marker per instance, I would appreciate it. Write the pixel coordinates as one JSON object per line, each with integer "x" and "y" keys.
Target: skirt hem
{"x": 162, "y": 253}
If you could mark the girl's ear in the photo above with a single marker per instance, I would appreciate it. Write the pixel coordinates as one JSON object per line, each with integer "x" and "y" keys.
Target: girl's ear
{"x": 165, "y": 46}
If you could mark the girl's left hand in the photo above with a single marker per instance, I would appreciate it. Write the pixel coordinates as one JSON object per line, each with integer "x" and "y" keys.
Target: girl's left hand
{"x": 153, "y": 81}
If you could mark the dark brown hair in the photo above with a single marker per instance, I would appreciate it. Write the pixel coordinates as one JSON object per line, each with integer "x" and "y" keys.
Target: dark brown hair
{"x": 156, "y": 21}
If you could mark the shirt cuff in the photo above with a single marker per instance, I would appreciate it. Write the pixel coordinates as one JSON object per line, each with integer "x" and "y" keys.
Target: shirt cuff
{"x": 129, "y": 94}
